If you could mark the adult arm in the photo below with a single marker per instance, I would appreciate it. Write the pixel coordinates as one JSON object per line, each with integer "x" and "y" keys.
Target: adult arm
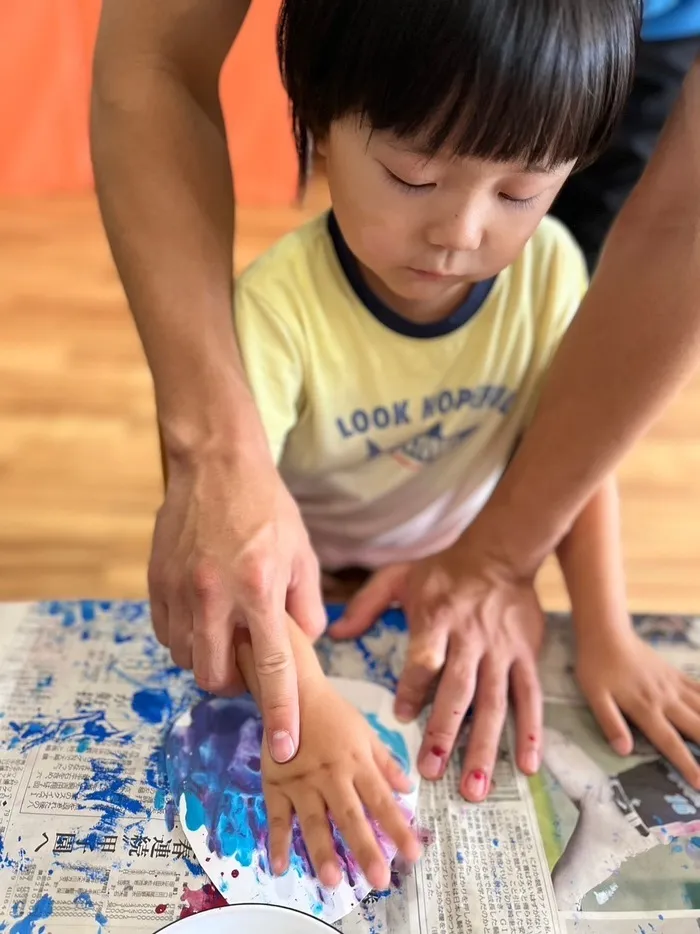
{"x": 229, "y": 546}
{"x": 633, "y": 343}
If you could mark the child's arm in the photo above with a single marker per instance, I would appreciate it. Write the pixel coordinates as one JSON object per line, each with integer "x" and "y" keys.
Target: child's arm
{"x": 620, "y": 675}
{"x": 342, "y": 770}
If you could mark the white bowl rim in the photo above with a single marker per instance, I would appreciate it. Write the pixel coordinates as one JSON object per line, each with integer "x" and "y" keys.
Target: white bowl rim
{"x": 225, "y": 909}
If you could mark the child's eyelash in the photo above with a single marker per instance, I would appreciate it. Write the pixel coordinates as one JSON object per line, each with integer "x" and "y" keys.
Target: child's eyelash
{"x": 407, "y": 186}
{"x": 519, "y": 203}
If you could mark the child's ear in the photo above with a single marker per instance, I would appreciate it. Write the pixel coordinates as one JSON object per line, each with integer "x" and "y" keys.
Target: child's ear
{"x": 321, "y": 144}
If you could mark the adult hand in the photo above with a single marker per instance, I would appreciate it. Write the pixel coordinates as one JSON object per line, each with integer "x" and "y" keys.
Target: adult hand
{"x": 229, "y": 549}
{"x": 477, "y": 627}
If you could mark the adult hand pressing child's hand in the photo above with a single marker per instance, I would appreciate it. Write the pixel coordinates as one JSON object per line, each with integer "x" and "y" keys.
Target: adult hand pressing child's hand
{"x": 342, "y": 772}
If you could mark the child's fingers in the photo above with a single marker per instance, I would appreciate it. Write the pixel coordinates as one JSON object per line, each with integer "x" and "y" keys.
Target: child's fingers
{"x": 691, "y": 684}
{"x": 691, "y": 698}
{"x": 352, "y": 822}
{"x": 527, "y": 701}
{"x": 666, "y": 739}
{"x": 316, "y": 831}
{"x": 612, "y": 723}
{"x": 279, "y": 820}
{"x": 686, "y": 721}
{"x": 390, "y": 769}
{"x": 378, "y": 800}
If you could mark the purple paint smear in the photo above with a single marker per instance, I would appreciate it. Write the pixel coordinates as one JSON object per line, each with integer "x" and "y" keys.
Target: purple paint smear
{"x": 215, "y": 764}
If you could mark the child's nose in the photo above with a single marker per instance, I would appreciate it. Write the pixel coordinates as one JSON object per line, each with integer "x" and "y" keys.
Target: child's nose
{"x": 458, "y": 231}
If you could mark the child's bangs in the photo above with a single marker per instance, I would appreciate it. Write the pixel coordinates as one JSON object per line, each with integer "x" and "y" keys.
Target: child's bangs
{"x": 540, "y": 82}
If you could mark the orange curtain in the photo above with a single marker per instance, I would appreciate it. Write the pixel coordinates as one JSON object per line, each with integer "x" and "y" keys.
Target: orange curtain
{"x": 45, "y": 73}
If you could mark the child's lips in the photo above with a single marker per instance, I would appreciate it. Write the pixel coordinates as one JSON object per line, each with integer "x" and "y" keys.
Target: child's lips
{"x": 432, "y": 275}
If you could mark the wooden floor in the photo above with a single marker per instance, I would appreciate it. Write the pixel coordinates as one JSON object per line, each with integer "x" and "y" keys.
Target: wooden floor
{"x": 79, "y": 468}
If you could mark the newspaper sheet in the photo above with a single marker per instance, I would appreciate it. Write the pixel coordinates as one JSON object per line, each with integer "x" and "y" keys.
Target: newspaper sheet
{"x": 90, "y": 843}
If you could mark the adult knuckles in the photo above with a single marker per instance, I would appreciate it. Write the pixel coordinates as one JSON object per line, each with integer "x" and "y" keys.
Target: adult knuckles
{"x": 495, "y": 699}
{"x": 207, "y": 580}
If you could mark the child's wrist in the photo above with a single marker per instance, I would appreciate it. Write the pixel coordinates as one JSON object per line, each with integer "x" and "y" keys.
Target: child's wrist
{"x": 594, "y": 626}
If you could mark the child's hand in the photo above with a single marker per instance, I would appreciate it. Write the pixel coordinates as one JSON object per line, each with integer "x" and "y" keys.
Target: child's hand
{"x": 341, "y": 771}
{"x": 621, "y": 676}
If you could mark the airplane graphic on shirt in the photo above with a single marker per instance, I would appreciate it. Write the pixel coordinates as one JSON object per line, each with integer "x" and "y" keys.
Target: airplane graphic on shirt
{"x": 424, "y": 448}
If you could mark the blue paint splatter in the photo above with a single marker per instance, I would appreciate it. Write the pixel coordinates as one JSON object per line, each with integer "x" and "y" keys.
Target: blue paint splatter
{"x": 121, "y": 637}
{"x": 106, "y": 790}
{"x": 195, "y": 816}
{"x": 91, "y": 873}
{"x": 157, "y": 779}
{"x": 394, "y": 618}
{"x": 392, "y": 739}
{"x": 85, "y": 727}
{"x": 44, "y": 682}
{"x": 42, "y": 910}
{"x": 460, "y": 857}
{"x": 170, "y": 815}
{"x": 101, "y": 919}
{"x": 152, "y": 706}
{"x": 194, "y": 867}
{"x": 84, "y": 901}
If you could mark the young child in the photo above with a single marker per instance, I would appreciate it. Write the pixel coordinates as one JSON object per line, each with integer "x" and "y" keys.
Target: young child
{"x": 397, "y": 345}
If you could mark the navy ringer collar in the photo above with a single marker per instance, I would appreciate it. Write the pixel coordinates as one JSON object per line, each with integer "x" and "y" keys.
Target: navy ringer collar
{"x": 390, "y": 319}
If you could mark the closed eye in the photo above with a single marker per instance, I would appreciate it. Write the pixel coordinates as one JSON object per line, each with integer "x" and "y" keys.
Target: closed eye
{"x": 519, "y": 202}
{"x": 407, "y": 186}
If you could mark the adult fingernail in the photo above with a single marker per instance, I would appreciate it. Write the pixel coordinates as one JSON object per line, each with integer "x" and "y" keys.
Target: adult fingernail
{"x": 621, "y": 746}
{"x": 279, "y": 867}
{"x": 531, "y": 762}
{"x": 475, "y": 785}
{"x": 282, "y": 746}
{"x": 432, "y": 763}
{"x": 404, "y": 711}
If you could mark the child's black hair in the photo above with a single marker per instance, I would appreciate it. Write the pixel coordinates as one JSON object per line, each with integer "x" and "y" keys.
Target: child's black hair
{"x": 539, "y": 81}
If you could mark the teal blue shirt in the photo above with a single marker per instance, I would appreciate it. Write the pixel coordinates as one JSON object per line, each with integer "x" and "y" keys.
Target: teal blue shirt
{"x": 670, "y": 19}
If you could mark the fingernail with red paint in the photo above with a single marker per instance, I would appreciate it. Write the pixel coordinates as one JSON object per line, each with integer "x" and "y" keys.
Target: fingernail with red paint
{"x": 433, "y": 763}
{"x": 476, "y": 784}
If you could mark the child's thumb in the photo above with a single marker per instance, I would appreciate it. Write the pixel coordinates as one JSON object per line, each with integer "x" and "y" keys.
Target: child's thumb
{"x": 367, "y": 605}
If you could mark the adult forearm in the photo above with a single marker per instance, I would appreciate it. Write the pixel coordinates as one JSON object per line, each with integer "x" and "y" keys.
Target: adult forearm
{"x": 165, "y": 190}
{"x": 632, "y": 344}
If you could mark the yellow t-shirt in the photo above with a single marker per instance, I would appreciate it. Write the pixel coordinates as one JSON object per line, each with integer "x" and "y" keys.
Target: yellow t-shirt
{"x": 392, "y": 436}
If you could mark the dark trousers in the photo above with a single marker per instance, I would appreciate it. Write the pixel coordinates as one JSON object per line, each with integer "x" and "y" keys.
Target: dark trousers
{"x": 591, "y": 199}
